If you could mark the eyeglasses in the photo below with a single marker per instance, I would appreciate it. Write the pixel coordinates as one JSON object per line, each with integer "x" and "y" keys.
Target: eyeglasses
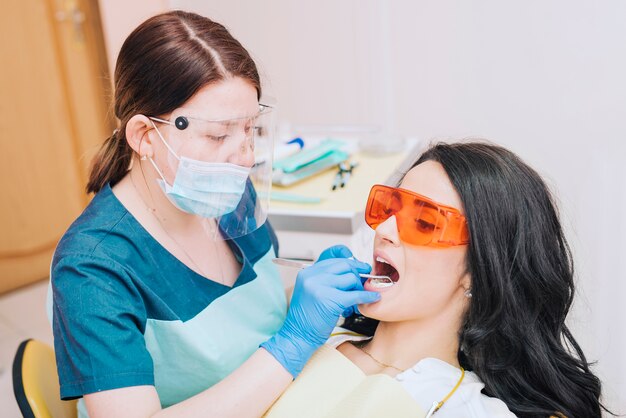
{"x": 420, "y": 220}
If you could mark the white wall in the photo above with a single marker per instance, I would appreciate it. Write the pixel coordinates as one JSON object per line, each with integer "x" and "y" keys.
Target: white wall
{"x": 545, "y": 79}
{"x": 119, "y": 18}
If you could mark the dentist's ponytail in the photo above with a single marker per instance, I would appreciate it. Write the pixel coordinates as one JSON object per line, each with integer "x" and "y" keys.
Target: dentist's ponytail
{"x": 110, "y": 163}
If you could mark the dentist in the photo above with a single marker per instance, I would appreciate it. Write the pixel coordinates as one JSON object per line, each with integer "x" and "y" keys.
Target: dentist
{"x": 165, "y": 300}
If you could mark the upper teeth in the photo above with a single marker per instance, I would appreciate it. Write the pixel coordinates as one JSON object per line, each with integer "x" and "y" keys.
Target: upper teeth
{"x": 382, "y": 260}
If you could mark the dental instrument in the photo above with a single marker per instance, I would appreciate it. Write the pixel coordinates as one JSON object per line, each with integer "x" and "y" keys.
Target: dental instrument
{"x": 376, "y": 281}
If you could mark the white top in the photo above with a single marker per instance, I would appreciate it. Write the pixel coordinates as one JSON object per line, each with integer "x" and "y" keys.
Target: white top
{"x": 431, "y": 379}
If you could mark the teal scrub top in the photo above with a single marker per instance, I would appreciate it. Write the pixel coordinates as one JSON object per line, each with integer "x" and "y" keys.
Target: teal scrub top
{"x": 126, "y": 312}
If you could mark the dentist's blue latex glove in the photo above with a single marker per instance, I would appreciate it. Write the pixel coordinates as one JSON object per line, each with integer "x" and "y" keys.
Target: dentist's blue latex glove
{"x": 322, "y": 292}
{"x": 337, "y": 251}
{"x": 340, "y": 251}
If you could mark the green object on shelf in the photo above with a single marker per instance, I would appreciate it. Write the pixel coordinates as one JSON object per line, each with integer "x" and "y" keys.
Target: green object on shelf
{"x": 325, "y": 162}
{"x": 308, "y": 156}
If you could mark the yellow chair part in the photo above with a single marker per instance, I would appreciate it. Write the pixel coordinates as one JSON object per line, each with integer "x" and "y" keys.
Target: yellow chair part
{"x": 36, "y": 383}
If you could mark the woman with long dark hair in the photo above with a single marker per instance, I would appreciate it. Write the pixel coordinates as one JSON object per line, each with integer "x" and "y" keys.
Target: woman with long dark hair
{"x": 474, "y": 323}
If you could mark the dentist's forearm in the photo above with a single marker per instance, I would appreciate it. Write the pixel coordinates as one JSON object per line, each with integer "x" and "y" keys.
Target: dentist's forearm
{"x": 247, "y": 392}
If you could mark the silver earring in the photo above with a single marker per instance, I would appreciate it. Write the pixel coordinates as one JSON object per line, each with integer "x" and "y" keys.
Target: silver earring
{"x": 468, "y": 293}
{"x": 144, "y": 158}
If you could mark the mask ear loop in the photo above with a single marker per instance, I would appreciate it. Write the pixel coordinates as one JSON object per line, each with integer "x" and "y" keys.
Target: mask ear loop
{"x": 163, "y": 139}
{"x": 155, "y": 167}
{"x": 168, "y": 148}
{"x": 143, "y": 175}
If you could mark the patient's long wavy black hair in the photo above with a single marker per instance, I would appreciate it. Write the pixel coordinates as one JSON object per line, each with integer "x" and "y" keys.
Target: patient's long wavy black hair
{"x": 514, "y": 335}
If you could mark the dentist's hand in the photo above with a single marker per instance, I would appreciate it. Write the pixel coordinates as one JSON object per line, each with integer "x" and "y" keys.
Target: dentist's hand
{"x": 336, "y": 251}
{"x": 340, "y": 251}
{"x": 322, "y": 292}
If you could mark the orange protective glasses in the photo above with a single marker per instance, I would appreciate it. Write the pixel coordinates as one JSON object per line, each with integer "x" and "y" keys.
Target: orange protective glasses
{"x": 420, "y": 220}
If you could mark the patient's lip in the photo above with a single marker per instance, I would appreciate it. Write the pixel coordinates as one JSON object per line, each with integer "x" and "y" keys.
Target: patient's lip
{"x": 378, "y": 253}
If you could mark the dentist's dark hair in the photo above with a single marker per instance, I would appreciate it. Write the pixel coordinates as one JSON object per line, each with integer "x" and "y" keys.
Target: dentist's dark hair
{"x": 514, "y": 335}
{"x": 161, "y": 65}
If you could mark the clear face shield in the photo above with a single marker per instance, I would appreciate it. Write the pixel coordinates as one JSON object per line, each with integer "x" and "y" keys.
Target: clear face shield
{"x": 223, "y": 168}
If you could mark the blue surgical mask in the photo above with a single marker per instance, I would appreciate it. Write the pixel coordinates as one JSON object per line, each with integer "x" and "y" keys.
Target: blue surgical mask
{"x": 209, "y": 190}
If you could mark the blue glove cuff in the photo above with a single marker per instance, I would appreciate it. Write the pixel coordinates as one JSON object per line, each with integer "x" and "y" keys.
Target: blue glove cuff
{"x": 291, "y": 355}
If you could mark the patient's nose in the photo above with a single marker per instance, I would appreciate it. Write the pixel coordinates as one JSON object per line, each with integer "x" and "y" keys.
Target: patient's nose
{"x": 388, "y": 230}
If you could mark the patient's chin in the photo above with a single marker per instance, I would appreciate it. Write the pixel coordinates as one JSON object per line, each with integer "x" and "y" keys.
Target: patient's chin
{"x": 374, "y": 310}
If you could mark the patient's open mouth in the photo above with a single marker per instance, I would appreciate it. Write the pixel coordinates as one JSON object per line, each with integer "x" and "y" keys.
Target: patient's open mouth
{"x": 382, "y": 267}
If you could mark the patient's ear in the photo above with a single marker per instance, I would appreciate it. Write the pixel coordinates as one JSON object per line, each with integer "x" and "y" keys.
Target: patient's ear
{"x": 137, "y": 136}
{"x": 466, "y": 283}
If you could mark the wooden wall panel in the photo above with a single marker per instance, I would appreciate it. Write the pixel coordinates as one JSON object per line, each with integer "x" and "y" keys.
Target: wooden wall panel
{"x": 42, "y": 176}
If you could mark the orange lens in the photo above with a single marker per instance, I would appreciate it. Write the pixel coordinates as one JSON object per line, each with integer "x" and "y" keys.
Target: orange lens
{"x": 420, "y": 220}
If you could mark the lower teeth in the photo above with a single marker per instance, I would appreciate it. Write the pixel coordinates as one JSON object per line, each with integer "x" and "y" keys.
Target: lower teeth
{"x": 382, "y": 282}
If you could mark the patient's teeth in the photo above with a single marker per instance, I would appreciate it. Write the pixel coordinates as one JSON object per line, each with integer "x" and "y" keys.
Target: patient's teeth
{"x": 382, "y": 282}
{"x": 382, "y": 260}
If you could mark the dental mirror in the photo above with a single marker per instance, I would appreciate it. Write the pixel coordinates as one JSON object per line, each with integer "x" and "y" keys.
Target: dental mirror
{"x": 376, "y": 281}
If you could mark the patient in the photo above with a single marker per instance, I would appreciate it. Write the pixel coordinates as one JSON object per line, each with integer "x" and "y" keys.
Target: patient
{"x": 474, "y": 324}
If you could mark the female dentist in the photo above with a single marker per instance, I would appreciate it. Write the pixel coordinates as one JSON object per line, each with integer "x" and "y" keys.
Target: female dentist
{"x": 163, "y": 288}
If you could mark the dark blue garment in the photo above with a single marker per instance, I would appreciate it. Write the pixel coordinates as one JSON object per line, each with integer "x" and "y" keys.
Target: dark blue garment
{"x": 110, "y": 278}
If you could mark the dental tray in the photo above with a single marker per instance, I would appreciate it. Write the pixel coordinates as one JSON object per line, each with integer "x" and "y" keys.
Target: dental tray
{"x": 309, "y": 161}
{"x": 330, "y": 159}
